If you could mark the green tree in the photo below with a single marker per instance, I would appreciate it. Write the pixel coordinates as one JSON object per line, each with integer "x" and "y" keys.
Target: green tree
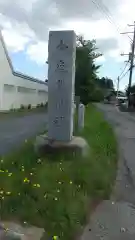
{"x": 106, "y": 83}
{"x": 86, "y": 69}
{"x": 132, "y": 89}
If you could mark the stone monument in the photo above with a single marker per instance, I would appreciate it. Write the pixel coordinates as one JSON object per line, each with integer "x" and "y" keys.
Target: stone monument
{"x": 61, "y": 75}
{"x": 61, "y": 81}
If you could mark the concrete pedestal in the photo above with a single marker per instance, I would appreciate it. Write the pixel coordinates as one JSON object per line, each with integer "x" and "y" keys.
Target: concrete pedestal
{"x": 44, "y": 145}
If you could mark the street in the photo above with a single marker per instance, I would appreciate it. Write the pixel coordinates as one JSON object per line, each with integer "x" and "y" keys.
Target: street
{"x": 14, "y": 131}
{"x": 114, "y": 218}
{"x": 124, "y": 126}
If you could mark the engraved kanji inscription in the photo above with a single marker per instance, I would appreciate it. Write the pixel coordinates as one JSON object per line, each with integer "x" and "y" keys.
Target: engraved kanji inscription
{"x": 62, "y": 45}
{"x": 61, "y": 65}
{"x": 57, "y": 121}
{"x": 60, "y": 82}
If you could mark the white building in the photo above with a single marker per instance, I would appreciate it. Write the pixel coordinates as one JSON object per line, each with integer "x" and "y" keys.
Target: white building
{"x": 17, "y": 89}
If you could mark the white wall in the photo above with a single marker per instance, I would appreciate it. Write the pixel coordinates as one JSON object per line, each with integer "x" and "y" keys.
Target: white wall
{"x": 16, "y": 90}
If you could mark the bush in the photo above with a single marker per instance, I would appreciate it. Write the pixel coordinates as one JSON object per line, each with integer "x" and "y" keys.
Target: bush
{"x": 12, "y": 110}
{"x": 29, "y": 106}
{"x": 41, "y": 105}
{"x": 38, "y": 106}
{"x": 97, "y": 95}
{"x": 22, "y": 107}
{"x": 46, "y": 104}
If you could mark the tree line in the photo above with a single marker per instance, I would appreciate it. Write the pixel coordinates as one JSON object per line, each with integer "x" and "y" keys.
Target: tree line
{"x": 87, "y": 83}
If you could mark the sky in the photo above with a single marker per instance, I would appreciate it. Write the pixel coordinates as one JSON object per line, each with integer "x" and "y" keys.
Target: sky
{"x": 25, "y": 27}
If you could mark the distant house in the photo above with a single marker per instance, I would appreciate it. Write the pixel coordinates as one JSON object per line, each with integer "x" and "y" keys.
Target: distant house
{"x": 17, "y": 89}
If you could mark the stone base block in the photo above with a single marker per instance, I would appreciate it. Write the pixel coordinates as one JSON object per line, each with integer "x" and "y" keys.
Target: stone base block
{"x": 18, "y": 232}
{"x": 44, "y": 145}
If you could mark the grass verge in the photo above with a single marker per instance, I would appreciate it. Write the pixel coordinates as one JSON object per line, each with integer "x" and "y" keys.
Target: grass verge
{"x": 55, "y": 193}
{"x": 22, "y": 112}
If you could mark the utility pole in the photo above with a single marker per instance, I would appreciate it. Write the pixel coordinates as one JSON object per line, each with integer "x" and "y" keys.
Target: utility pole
{"x": 131, "y": 65}
{"x": 118, "y": 81}
{"x": 131, "y": 58}
{"x": 117, "y": 95}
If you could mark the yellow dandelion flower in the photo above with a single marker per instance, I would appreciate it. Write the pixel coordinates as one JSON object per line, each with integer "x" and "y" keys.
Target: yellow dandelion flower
{"x": 2, "y": 160}
{"x": 58, "y": 190}
{"x": 10, "y": 174}
{"x": 55, "y": 237}
{"x": 71, "y": 182}
{"x": 8, "y": 193}
{"x": 25, "y": 222}
{"x": 55, "y": 198}
{"x": 38, "y": 185}
{"x": 79, "y": 186}
{"x": 34, "y": 185}
{"x": 31, "y": 173}
{"x": 60, "y": 163}
{"x": 59, "y": 182}
{"x": 22, "y": 169}
{"x": 26, "y": 180}
{"x": 1, "y": 192}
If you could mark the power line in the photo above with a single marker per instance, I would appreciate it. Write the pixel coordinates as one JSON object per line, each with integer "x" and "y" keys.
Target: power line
{"x": 123, "y": 69}
{"x": 116, "y": 24}
{"x": 106, "y": 9}
{"x": 99, "y": 8}
{"x": 125, "y": 74}
{"x": 102, "y": 7}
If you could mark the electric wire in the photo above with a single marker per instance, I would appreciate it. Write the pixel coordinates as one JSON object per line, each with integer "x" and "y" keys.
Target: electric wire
{"x": 102, "y": 7}
{"x": 124, "y": 69}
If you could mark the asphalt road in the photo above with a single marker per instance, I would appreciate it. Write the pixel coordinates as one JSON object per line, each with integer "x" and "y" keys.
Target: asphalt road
{"x": 114, "y": 218}
{"x": 14, "y": 130}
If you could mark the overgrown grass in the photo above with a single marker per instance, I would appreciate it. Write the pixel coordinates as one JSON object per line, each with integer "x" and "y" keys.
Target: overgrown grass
{"x": 55, "y": 193}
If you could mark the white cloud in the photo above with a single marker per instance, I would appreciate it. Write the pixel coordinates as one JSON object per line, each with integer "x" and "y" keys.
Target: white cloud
{"x": 100, "y": 60}
{"x": 38, "y": 52}
{"x": 26, "y": 22}
{"x": 16, "y": 35}
{"x": 99, "y": 29}
{"x": 116, "y": 54}
{"x": 14, "y": 40}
